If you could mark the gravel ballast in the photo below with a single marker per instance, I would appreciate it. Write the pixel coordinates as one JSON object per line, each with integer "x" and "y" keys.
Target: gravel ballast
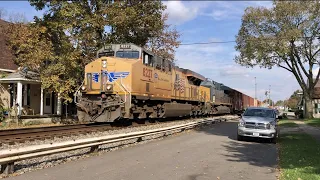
{"x": 28, "y": 165}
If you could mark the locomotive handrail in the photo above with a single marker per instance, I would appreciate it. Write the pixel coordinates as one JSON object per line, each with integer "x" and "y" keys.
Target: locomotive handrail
{"x": 127, "y": 91}
{"x": 9, "y": 156}
{"x": 77, "y": 91}
{"x": 125, "y": 94}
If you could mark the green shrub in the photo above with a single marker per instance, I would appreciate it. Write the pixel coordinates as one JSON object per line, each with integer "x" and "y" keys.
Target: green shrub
{"x": 2, "y": 113}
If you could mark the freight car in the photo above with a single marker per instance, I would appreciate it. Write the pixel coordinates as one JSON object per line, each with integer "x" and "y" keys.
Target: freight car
{"x": 130, "y": 82}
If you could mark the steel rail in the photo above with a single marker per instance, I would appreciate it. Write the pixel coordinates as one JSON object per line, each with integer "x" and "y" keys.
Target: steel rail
{"x": 27, "y": 134}
{"x": 9, "y": 156}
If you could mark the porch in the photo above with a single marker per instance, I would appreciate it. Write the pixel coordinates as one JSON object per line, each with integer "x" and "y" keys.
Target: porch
{"x": 21, "y": 92}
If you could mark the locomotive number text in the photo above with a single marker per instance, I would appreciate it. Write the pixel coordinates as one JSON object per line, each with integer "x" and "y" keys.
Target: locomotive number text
{"x": 147, "y": 72}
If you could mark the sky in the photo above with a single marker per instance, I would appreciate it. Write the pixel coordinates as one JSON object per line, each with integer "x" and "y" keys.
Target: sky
{"x": 205, "y": 21}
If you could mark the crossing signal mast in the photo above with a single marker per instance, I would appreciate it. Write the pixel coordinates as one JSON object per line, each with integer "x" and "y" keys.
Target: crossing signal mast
{"x": 270, "y": 102}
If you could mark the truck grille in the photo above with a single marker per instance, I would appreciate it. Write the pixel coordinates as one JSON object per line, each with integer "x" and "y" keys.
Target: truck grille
{"x": 252, "y": 125}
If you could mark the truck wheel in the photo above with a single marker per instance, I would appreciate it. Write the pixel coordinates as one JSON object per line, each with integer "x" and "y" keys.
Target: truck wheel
{"x": 239, "y": 138}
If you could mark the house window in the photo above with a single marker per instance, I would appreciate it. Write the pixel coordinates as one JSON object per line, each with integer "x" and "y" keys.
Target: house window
{"x": 316, "y": 108}
{"x": 48, "y": 98}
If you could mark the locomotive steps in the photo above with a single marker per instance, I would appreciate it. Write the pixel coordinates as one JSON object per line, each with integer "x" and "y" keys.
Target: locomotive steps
{"x": 21, "y": 157}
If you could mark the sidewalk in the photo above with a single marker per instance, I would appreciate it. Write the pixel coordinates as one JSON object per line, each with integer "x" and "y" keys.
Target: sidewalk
{"x": 313, "y": 131}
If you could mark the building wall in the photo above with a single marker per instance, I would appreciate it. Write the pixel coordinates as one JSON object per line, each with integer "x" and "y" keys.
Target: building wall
{"x": 316, "y": 108}
{"x": 35, "y": 96}
{"x": 4, "y": 96}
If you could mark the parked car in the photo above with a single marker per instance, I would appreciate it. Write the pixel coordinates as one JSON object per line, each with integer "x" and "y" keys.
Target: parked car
{"x": 258, "y": 122}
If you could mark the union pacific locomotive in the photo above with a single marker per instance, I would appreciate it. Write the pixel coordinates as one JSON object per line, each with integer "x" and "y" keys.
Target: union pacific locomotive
{"x": 129, "y": 82}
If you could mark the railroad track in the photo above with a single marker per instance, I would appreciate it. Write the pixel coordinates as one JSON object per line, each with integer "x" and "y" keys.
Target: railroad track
{"x": 12, "y": 136}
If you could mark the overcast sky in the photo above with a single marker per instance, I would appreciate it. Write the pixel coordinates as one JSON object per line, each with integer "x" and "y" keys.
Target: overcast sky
{"x": 203, "y": 21}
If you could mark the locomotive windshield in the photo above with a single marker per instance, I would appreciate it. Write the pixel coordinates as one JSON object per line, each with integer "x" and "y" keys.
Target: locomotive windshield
{"x": 128, "y": 54}
{"x": 106, "y": 54}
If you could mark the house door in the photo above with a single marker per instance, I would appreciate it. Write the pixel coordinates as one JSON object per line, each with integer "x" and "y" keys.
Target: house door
{"x": 47, "y": 109}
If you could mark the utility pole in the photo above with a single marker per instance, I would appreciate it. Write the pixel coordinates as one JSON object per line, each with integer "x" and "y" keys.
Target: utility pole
{"x": 255, "y": 92}
{"x": 255, "y": 87}
{"x": 269, "y": 95}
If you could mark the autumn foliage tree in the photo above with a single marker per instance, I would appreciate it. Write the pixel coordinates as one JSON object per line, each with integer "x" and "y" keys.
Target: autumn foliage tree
{"x": 165, "y": 42}
{"x": 294, "y": 99}
{"x": 67, "y": 37}
{"x": 56, "y": 63}
{"x": 287, "y": 36}
{"x": 279, "y": 103}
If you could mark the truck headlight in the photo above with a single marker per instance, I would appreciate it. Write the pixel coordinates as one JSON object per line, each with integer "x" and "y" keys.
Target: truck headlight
{"x": 273, "y": 124}
{"x": 241, "y": 123}
{"x": 270, "y": 125}
{"x": 83, "y": 88}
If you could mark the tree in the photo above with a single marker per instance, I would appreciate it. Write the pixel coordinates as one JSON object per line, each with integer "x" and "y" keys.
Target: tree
{"x": 279, "y": 103}
{"x": 287, "y": 36}
{"x": 268, "y": 101}
{"x": 57, "y": 64}
{"x": 292, "y": 103}
{"x": 91, "y": 24}
{"x": 294, "y": 99}
{"x": 295, "y": 94}
{"x": 165, "y": 42}
{"x": 60, "y": 44}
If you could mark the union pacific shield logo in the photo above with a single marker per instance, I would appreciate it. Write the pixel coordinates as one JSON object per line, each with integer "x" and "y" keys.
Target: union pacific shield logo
{"x": 95, "y": 77}
{"x": 113, "y": 76}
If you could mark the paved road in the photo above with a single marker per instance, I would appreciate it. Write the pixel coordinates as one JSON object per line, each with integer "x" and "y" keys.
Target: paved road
{"x": 209, "y": 153}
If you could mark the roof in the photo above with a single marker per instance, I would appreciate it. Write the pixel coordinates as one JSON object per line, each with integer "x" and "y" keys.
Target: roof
{"x": 6, "y": 55}
{"x": 26, "y": 76}
{"x": 189, "y": 72}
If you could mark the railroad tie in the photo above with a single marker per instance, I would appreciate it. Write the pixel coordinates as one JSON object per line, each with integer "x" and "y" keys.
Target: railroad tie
{"x": 7, "y": 168}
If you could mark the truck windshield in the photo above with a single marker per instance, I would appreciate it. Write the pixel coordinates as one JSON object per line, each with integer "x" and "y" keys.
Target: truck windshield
{"x": 259, "y": 113}
{"x": 128, "y": 54}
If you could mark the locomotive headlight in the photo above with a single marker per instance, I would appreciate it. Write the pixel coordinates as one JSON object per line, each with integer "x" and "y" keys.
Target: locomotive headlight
{"x": 109, "y": 87}
{"x": 104, "y": 63}
{"x": 83, "y": 88}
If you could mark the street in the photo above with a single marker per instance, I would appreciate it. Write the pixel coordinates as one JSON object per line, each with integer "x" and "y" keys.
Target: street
{"x": 207, "y": 153}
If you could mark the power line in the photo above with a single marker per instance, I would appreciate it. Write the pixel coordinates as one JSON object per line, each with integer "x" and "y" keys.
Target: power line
{"x": 211, "y": 42}
{"x": 225, "y": 42}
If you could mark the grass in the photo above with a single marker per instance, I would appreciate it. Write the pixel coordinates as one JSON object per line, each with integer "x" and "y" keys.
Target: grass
{"x": 299, "y": 157}
{"x": 313, "y": 122}
{"x": 287, "y": 123}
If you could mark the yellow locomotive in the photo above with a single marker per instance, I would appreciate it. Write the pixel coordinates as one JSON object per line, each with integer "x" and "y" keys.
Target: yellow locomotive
{"x": 130, "y": 82}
